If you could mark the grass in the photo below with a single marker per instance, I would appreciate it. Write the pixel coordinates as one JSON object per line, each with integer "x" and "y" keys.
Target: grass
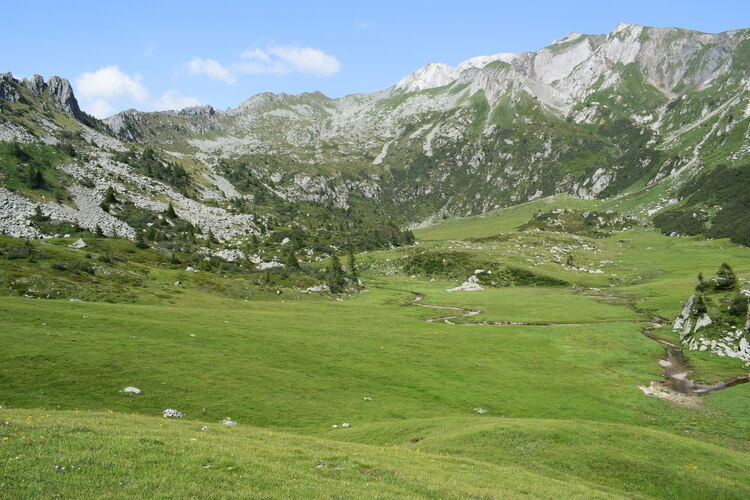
{"x": 564, "y": 415}
{"x": 127, "y": 456}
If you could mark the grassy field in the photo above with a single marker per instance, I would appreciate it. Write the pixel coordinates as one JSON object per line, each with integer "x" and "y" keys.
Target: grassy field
{"x": 562, "y": 413}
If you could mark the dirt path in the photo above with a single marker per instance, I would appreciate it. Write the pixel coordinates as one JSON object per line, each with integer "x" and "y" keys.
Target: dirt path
{"x": 677, "y": 388}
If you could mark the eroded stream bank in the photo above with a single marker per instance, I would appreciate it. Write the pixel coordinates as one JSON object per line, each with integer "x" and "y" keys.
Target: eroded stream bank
{"x": 675, "y": 369}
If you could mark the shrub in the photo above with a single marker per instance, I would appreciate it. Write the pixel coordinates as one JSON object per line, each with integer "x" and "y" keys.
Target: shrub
{"x": 19, "y": 253}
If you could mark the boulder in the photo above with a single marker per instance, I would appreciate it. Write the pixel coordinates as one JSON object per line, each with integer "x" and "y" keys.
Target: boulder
{"x": 131, "y": 390}
{"x": 78, "y": 243}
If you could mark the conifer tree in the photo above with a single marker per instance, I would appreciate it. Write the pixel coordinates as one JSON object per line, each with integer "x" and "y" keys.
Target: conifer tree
{"x": 110, "y": 195}
{"x": 140, "y": 241}
{"x": 335, "y": 276}
{"x": 169, "y": 212}
{"x": 352, "y": 264}
{"x": 291, "y": 260}
{"x": 725, "y": 277}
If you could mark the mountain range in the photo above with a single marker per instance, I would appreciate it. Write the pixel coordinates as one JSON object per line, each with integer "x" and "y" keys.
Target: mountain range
{"x": 656, "y": 116}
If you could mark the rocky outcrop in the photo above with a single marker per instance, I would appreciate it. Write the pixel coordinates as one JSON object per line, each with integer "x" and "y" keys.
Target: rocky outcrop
{"x": 62, "y": 95}
{"x": 696, "y": 334}
{"x": 8, "y": 91}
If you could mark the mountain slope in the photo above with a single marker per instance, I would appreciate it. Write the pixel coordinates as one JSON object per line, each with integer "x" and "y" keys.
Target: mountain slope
{"x": 640, "y": 109}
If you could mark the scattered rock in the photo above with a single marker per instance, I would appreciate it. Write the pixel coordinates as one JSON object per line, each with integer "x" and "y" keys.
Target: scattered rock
{"x": 481, "y": 411}
{"x": 170, "y": 413}
{"x": 131, "y": 390}
{"x": 228, "y": 421}
{"x": 345, "y": 425}
{"x": 79, "y": 243}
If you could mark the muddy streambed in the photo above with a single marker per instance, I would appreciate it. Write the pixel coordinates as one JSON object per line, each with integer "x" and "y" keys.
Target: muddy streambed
{"x": 676, "y": 370}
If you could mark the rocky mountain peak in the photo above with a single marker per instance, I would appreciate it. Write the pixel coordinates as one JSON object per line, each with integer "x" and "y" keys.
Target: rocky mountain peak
{"x": 433, "y": 75}
{"x": 62, "y": 94}
{"x": 59, "y": 89}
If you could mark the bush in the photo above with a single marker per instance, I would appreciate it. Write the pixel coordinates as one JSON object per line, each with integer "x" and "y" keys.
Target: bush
{"x": 19, "y": 253}
{"x": 58, "y": 266}
{"x": 739, "y": 306}
{"x": 81, "y": 266}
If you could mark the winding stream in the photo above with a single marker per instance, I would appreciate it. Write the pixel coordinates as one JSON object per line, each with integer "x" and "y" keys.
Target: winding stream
{"x": 676, "y": 370}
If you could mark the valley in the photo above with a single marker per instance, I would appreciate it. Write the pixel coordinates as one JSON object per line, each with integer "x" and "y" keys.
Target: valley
{"x": 523, "y": 276}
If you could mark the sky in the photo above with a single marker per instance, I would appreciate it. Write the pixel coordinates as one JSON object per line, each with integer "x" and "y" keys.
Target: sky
{"x": 169, "y": 55}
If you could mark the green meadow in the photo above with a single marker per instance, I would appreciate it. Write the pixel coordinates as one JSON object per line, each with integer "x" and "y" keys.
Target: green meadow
{"x": 561, "y": 412}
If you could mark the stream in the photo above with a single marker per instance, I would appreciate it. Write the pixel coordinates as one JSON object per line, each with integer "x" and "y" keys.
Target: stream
{"x": 675, "y": 368}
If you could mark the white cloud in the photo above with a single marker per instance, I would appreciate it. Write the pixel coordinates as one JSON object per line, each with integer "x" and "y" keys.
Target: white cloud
{"x": 256, "y": 54}
{"x": 98, "y": 90}
{"x": 99, "y": 108}
{"x": 307, "y": 60}
{"x": 172, "y": 99}
{"x": 211, "y": 68}
{"x": 275, "y": 59}
{"x": 110, "y": 83}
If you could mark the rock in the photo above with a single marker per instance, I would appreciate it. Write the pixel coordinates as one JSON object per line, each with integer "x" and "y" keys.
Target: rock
{"x": 345, "y": 425}
{"x": 131, "y": 390}
{"x": 228, "y": 421}
{"x": 78, "y": 244}
{"x": 171, "y": 413}
{"x": 467, "y": 287}
{"x": 481, "y": 411}
{"x": 702, "y": 321}
{"x": 62, "y": 95}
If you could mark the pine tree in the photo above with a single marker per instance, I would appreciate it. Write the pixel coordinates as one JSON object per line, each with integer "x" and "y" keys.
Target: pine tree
{"x": 110, "y": 195}
{"x": 169, "y": 212}
{"x": 38, "y": 215}
{"x": 98, "y": 231}
{"x": 725, "y": 277}
{"x": 335, "y": 276}
{"x": 699, "y": 306}
{"x": 291, "y": 260}
{"x": 701, "y": 286}
{"x": 140, "y": 241}
{"x": 352, "y": 264}
{"x": 35, "y": 178}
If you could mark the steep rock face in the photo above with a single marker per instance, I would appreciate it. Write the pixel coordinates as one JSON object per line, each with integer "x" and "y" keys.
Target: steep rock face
{"x": 60, "y": 92}
{"x": 8, "y": 91}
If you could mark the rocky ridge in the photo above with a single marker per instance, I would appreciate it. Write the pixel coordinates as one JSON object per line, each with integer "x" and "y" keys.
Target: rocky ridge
{"x": 590, "y": 115}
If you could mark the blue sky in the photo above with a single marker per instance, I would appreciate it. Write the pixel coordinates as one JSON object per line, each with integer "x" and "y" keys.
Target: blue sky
{"x": 163, "y": 55}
